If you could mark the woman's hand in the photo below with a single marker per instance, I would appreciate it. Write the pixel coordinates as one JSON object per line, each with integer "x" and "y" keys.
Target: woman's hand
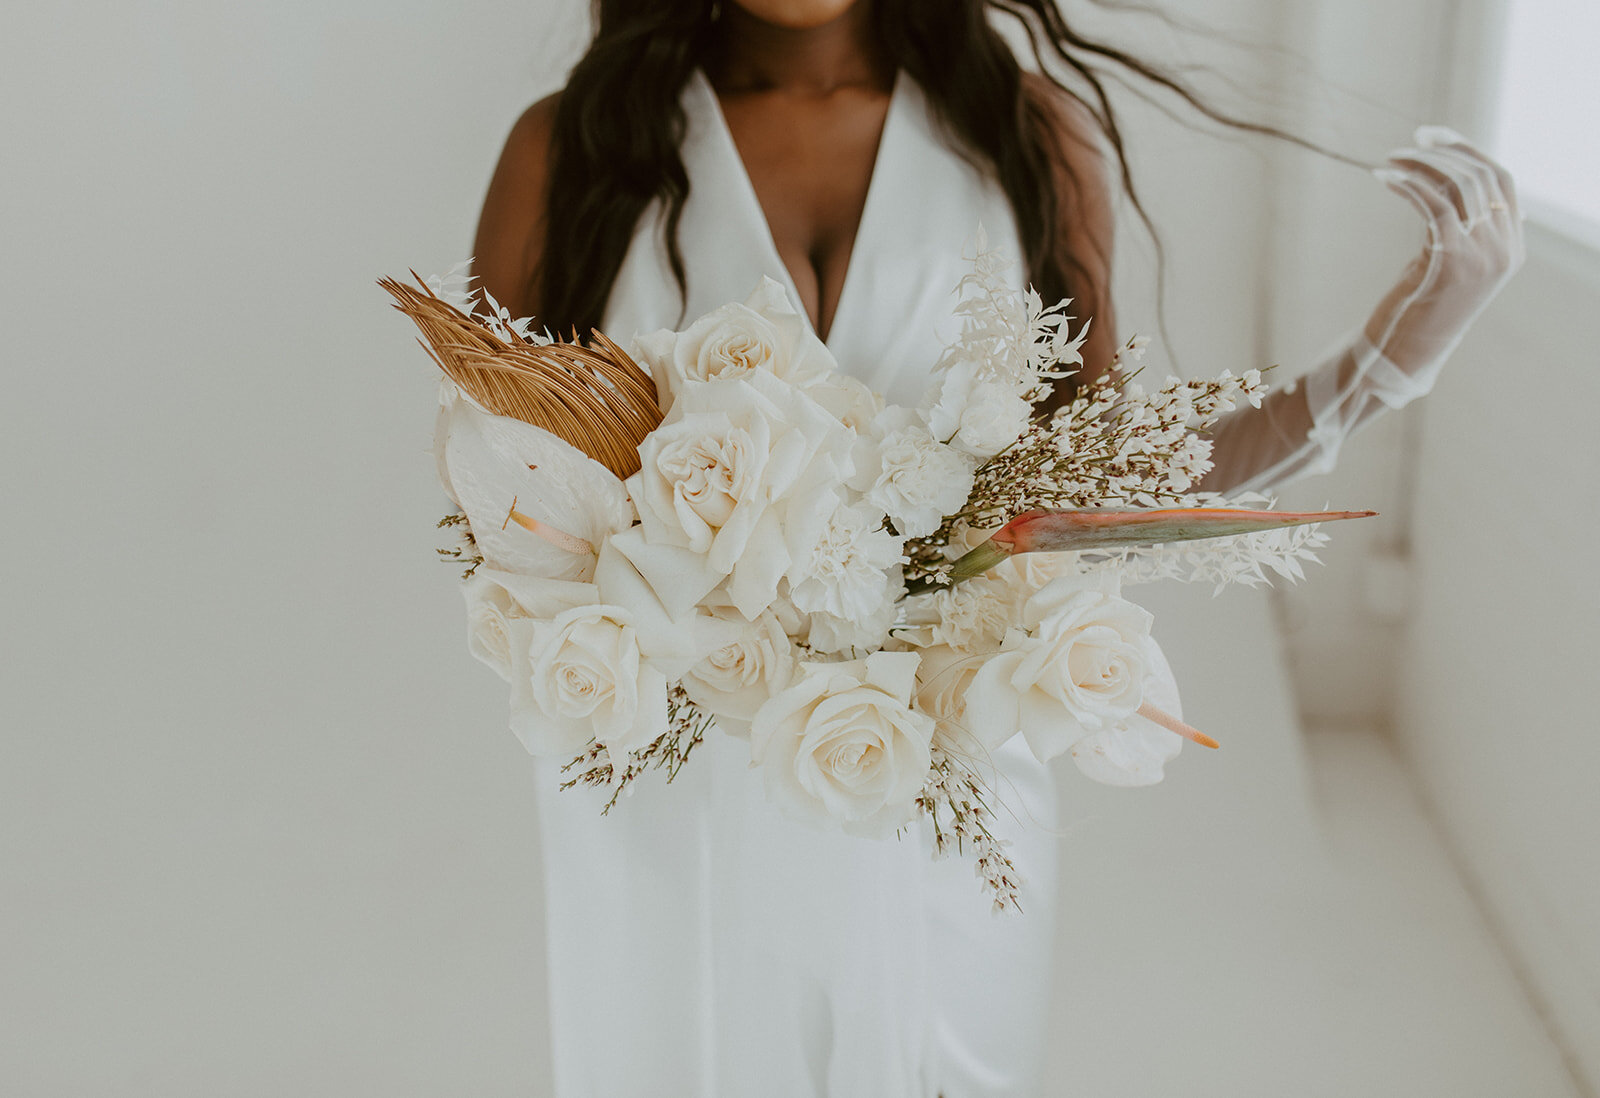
{"x": 1473, "y": 245}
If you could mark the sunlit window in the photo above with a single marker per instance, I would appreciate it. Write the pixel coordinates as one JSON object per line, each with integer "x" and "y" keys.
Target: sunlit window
{"x": 1548, "y": 133}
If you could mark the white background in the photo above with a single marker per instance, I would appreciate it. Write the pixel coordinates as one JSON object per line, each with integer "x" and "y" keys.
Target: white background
{"x": 261, "y": 829}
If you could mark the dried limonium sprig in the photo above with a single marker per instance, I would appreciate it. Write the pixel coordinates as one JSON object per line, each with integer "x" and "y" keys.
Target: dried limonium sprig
{"x": 687, "y": 725}
{"x": 466, "y": 551}
{"x": 954, "y": 801}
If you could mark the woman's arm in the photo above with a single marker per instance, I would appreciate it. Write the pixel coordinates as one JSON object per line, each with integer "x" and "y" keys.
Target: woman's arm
{"x": 1474, "y": 246}
{"x": 511, "y": 227}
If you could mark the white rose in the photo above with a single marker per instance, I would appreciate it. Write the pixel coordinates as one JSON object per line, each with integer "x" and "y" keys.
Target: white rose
{"x": 1027, "y": 573}
{"x": 847, "y": 399}
{"x": 844, "y": 744}
{"x": 719, "y": 479}
{"x": 588, "y": 680}
{"x": 1135, "y": 751}
{"x": 490, "y": 613}
{"x": 755, "y": 661}
{"x": 1077, "y": 666}
{"x": 849, "y": 567}
{"x": 763, "y": 333}
{"x": 943, "y": 679}
{"x": 501, "y": 607}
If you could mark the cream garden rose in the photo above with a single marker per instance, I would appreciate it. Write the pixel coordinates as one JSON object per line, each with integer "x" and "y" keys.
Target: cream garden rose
{"x": 843, "y": 744}
{"x": 762, "y": 333}
{"x": 720, "y": 478}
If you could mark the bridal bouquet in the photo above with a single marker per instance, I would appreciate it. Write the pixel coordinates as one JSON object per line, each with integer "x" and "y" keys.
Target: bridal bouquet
{"x": 717, "y": 529}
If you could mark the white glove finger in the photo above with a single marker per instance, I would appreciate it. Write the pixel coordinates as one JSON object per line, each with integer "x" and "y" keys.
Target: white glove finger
{"x": 1438, "y": 137}
{"x": 1439, "y": 211}
{"x": 1464, "y": 179}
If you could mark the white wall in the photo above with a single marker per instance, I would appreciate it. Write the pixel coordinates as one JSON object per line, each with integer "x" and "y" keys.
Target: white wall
{"x": 1497, "y": 713}
{"x": 261, "y": 829}
{"x": 1479, "y": 669}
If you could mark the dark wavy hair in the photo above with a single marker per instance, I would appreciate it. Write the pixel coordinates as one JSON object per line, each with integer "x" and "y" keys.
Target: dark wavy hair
{"x": 619, "y": 125}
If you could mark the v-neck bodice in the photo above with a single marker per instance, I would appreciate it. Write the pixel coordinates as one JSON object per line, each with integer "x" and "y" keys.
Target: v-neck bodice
{"x": 913, "y": 244}
{"x": 886, "y": 157}
{"x": 757, "y": 954}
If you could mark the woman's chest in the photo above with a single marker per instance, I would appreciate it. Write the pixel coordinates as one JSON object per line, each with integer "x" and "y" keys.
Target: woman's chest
{"x": 810, "y": 164}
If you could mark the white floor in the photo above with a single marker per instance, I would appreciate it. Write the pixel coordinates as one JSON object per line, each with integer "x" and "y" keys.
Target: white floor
{"x": 1278, "y": 919}
{"x": 1368, "y": 972}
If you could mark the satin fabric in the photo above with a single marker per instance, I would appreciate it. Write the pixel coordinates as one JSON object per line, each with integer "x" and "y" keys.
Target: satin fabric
{"x": 702, "y": 943}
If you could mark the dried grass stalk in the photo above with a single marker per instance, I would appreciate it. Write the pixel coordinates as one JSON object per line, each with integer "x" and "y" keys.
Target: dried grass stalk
{"x": 595, "y": 398}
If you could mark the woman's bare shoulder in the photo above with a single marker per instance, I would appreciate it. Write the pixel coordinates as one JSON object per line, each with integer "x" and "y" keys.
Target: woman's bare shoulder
{"x": 511, "y": 227}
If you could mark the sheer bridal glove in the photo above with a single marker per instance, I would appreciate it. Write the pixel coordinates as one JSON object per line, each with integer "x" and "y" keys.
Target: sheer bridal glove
{"x": 1474, "y": 246}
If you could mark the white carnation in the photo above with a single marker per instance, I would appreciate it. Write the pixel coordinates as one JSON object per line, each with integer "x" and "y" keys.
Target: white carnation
{"x": 844, "y": 568}
{"x": 911, "y": 476}
{"x": 978, "y": 417}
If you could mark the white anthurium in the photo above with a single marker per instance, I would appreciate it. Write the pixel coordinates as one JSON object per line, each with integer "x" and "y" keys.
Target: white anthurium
{"x": 763, "y": 333}
{"x": 721, "y": 474}
{"x": 449, "y": 393}
{"x": 566, "y": 504}
{"x": 843, "y": 746}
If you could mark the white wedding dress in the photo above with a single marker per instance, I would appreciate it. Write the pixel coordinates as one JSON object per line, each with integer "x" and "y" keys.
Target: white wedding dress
{"x": 700, "y": 942}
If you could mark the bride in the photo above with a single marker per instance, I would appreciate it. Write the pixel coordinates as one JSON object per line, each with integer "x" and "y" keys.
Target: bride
{"x": 699, "y": 943}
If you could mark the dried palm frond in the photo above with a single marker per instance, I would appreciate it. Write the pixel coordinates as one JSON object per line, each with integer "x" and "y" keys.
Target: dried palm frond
{"x": 595, "y": 398}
